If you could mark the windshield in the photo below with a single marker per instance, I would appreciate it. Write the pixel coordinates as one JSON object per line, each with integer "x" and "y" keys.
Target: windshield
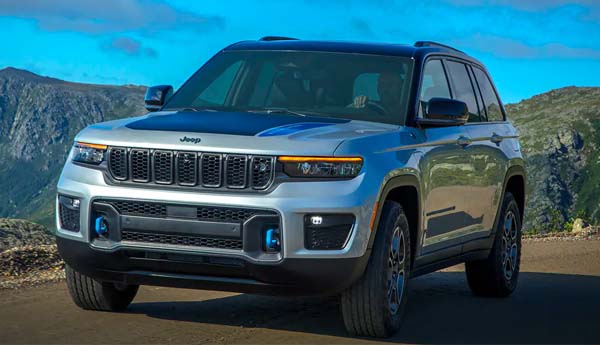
{"x": 353, "y": 86}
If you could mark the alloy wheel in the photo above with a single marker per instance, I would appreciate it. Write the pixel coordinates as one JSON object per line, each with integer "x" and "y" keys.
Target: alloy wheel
{"x": 395, "y": 271}
{"x": 509, "y": 245}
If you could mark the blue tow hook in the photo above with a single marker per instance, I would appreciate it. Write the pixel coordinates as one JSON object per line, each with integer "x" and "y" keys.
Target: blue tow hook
{"x": 272, "y": 240}
{"x": 101, "y": 226}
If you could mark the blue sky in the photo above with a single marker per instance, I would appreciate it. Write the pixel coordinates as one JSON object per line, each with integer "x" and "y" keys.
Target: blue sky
{"x": 529, "y": 46}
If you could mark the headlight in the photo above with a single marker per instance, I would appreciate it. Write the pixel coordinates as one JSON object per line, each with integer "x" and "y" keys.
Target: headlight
{"x": 88, "y": 153}
{"x": 340, "y": 167}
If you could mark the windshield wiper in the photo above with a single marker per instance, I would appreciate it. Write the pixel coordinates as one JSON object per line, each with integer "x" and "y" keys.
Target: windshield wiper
{"x": 277, "y": 111}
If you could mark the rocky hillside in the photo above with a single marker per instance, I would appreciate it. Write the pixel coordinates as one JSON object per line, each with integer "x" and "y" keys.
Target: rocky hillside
{"x": 39, "y": 117}
{"x": 560, "y": 135}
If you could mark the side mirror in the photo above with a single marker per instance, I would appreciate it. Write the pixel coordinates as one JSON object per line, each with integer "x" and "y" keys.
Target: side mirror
{"x": 157, "y": 96}
{"x": 444, "y": 112}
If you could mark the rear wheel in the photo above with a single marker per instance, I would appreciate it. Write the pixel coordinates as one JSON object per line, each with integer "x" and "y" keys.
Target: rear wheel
{"x": 374, "y": 305}
{"x": 497, "y": 275}
{"x": 91, "y": 294}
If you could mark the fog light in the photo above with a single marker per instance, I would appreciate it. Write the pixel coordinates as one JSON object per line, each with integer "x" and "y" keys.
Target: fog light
{"x": 68, "y": 212}
{"x": 316, "y": 220}
{"x": 327, "y": 231}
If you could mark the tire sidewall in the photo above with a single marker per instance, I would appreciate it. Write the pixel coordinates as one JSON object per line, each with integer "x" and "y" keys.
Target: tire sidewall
{"x": 394, "y": 217}
{"x": 509, "y": 204}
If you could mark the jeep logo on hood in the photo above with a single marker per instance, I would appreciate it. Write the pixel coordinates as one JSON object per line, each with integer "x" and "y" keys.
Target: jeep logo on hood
{"x": 190, "y": 140}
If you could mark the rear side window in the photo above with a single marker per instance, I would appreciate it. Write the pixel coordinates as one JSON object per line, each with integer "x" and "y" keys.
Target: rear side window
{"x": 463, "y": 88}
{"x": 490, "y": 99}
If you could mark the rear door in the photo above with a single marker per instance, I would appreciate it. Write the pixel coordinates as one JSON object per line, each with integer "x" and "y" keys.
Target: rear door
{"x": 486, "y": 150}
{"x": 472, "y": 184}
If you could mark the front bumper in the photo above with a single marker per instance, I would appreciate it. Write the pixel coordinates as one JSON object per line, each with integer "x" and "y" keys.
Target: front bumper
{"x": 291, "y": 201}
{"x": 294, "y": 265}
{"x": 212, "y": 272}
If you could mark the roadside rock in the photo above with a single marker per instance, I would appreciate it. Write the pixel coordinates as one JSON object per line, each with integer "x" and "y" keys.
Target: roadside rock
{"x": 28, "y": 255}
{"x": 18, "y": 233}
{"x": 578, "y": 226}
{"x": 21, "y": 260}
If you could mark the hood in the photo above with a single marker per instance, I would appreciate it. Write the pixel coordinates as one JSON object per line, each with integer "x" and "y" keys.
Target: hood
{"x": 253, "y": 133}
{"x": 247, "y": 124}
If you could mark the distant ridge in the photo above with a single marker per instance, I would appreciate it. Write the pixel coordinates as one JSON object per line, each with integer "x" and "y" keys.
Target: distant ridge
{"x": 11, "y": 72}
{"x": 39, "y": 116}
{"x": 22, "y": 74}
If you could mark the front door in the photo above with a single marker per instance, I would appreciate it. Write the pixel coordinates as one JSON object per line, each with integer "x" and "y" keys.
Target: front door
{"x": 445, "y": 167}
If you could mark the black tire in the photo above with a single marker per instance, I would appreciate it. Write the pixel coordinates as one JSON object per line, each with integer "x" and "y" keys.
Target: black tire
{"x": 91, "y": 294}
{"x": 498, "y": 274}
{"x": 366, "y": 308}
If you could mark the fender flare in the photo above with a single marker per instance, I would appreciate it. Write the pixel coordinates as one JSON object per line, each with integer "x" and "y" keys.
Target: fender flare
{"x": 407, "y": 180}
{"x": 512, "y": 171}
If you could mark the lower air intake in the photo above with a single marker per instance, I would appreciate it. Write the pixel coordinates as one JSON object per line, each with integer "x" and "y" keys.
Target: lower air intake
{"x": 182, "y": 240}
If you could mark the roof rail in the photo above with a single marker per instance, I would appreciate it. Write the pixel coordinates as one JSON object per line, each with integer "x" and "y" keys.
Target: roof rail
{"x": 277, "y": 38}
{"x": 435, "y": 44}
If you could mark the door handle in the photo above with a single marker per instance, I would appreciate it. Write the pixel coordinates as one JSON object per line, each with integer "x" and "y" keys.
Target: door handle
{"x": 464, "y": 141}
{"x": 496, "y": 139}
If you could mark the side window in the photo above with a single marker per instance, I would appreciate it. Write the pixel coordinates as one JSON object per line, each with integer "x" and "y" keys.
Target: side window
{"x": 216, "y": 92}
{"x": 434, "y": 83}
{"x": 490, "y": 99}
{"x": 463, "y": 89}
{"x": 482, "y": 113}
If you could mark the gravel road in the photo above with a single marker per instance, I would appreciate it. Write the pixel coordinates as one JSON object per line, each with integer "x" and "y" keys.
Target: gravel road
{"x": 557, "y": 301}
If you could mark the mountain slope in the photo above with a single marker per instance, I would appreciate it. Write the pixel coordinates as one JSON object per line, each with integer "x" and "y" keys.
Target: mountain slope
{"x": 560, "y": 136}
{"x": 39, "y": 117}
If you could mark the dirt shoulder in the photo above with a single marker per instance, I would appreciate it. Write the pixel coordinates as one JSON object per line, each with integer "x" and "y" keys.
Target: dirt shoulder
{"x": 556, "y": 302}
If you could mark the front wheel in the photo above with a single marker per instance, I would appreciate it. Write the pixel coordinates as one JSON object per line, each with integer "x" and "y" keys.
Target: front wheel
{"x": 497, "y": 275}
{"x": 374, "y": 305}
{"x": 91, "y": 294}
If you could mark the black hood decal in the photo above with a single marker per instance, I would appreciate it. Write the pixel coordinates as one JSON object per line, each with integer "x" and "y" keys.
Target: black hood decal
{"x": 246, "y": 123}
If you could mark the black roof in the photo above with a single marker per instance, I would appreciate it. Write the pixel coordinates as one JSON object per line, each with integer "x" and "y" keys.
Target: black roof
{"x": 419, "y": 49}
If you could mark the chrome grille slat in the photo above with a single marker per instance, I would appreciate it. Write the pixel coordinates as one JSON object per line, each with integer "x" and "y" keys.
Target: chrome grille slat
{"x": 190, "y": 169}
{"x": 117, "y": 162}
{"x": 187, "y": 168}
{"x": 162, "y": 166}
{"x": 262, "y": 171}
{"x": 212, "y": 170}
{"x": 140, "y": 165}
{"x": 236, "y": 171}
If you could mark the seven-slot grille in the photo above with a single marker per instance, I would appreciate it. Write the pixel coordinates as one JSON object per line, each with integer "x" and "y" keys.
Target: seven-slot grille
{"x": 208, "y": 170}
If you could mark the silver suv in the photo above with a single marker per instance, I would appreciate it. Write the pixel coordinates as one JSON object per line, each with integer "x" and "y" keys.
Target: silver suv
{"x": 290, "y": 167}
